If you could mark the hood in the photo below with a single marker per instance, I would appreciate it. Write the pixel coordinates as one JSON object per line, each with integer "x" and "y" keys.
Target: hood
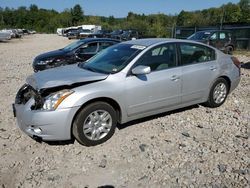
{"x": 63, "y": 76}
{"x": 51, "y": 54}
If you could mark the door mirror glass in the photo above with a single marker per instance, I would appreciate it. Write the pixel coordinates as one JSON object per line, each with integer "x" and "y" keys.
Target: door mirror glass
{"x": 141, "y": 69}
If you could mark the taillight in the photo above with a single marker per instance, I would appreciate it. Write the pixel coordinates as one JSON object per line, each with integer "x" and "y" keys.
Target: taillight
{"x": 236, "y": 62}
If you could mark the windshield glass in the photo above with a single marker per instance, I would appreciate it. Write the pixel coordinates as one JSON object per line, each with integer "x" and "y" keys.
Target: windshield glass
{"x": 112, "y": 59}
{"x": 73, "y": 45}
{"x": 199, "y": 36}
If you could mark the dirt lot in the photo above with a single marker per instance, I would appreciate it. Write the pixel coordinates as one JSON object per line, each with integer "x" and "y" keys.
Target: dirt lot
{"x": 192, "y": 147}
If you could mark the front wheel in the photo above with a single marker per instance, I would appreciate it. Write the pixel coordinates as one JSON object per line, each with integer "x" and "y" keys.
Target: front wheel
{"x": 218, "y": 93}
{"x": 95, "y": 124}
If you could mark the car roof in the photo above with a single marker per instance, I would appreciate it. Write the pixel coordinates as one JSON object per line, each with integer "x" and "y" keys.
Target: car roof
{"x": 211, "y": 31}
{"x": 151, "y": 41}
{"x": 98, "y": 40}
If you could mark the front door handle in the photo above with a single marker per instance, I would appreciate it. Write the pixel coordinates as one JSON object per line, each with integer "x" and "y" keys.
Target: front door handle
{"x": 175, "y": 78}
{"x": 213, "y": 68}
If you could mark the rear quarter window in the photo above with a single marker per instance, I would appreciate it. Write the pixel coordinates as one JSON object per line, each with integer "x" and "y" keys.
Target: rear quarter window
{"x": 195, "y": 53}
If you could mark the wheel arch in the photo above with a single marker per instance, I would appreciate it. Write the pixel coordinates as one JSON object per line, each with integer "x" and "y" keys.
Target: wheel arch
{"x": 228, "y": 81}
{"x": 108, "y": 100}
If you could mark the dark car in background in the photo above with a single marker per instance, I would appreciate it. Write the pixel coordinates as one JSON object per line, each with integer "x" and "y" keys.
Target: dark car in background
{"x": 221, "y": 39}
{"x": 100, "y": 34}
{"x": 115, "y": 34}
{"x": 73, "y": 34}
{"x": 130, "y": 35}
{"x": 77, "y": 51}
{"x": 78, "y": 33}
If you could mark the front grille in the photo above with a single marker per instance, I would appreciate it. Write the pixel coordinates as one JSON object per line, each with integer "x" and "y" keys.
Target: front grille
{"x": 25, "y": 93}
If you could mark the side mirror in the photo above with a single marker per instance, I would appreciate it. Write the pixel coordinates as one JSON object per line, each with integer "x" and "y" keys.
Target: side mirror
{"x": 141, "y": 69}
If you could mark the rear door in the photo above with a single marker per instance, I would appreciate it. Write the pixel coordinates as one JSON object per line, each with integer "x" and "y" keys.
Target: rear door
{"x": 199, "y": 69}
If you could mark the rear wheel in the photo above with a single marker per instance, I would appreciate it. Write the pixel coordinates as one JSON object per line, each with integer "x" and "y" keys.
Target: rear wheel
{"x": 218, "y": 93}
{"x": 95, "y": 124}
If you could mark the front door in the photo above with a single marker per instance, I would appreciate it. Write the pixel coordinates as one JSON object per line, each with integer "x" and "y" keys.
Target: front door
{"x": 160, "y": 88}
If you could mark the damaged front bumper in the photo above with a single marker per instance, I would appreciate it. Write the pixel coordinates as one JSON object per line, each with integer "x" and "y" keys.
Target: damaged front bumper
{"x": 47, "y": 125}
{"x": 41, "y": 124}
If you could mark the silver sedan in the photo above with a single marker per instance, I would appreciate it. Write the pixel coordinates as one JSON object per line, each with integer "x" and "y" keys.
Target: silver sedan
{"x": 124, "y": 82}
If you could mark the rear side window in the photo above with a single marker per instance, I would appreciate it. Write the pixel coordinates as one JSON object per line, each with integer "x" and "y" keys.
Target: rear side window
{"x": 222, "y": 36}
{"x": 193, "y": 53}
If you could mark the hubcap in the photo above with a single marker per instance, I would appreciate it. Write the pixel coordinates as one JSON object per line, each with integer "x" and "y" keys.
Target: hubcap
{"x": 220, "y": 93}
{"x": 97, "y": 125}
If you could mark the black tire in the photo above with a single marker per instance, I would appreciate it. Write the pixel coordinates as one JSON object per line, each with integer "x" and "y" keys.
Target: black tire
{"x": 229, "y": 50}
{"x": 211, "y": 102}
{"x": 81, "y": 118}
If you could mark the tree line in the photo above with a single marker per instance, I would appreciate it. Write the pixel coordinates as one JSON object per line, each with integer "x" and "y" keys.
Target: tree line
{"x": 47, "y": 21}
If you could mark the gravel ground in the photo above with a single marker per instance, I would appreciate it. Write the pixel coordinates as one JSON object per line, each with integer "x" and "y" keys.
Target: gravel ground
{"x": 191, "y": 147}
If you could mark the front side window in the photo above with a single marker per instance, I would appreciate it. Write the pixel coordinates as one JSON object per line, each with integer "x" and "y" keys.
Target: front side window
{"x": 193, "y": 53}
{"x": 73, "y": 45}
{"x": 213, "y": 36}
{"x": 158, "y": 58}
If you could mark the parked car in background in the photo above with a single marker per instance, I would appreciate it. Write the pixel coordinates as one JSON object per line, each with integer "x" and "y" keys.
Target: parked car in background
{"x": 124, "y": 82}
{"x": 80, "y": 50}
{"x": 116, "y": 34}
{"x": 79, "y": 33}
{"x": 5, "y": 35}
{"x": 223, "y": 40}
{"x": 73, "y": 34}
{"x": 84, "y": 33}
{"x": 100, "y": 34}
{"x": 130, "y": 35}
{"x": 16, "y": 33}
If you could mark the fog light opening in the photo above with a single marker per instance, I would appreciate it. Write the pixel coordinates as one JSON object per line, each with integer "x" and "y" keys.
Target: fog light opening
{"x": 34, "y": 129}
{"x": 37, "y": 130}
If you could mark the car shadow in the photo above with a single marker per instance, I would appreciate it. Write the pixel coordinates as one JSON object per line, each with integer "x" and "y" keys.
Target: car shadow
{"x": 4, "y": 41}
{"x": 60, "y": 143}
{"x": 142, "y": 120}
{"x": 245, "y": 65}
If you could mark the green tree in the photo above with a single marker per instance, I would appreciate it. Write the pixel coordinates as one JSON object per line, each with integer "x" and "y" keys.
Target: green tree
{"x": 77, "y": 14}
{"x": 245, "y": 10}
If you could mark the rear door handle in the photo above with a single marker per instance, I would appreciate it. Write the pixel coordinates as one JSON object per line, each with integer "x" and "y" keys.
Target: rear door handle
{"x": 175, "y": 78}
{"x": 212, "y": 68}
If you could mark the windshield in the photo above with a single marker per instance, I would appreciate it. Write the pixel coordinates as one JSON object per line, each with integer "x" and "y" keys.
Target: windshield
{"x": 73, "y": 45}
{"x": 199, "y": 36}
{"x": 112, "y": 59}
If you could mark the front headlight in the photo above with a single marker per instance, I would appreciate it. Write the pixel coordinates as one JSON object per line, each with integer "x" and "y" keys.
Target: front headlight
{"x": 45, "y": 62}
{"x": 53, "y": 100}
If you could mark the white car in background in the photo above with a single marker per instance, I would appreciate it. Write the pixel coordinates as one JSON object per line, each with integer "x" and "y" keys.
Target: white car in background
{"x": 5, "y": 35}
